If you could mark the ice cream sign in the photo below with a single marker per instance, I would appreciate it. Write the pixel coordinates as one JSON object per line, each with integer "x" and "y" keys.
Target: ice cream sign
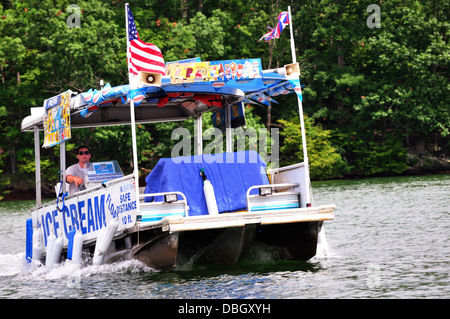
{"x": 188, "y": 72}
{"x": 57, "y": 119}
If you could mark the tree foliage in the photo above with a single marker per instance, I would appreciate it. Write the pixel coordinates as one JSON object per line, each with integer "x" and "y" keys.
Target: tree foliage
{"x": 372, "y": 94}
{"x": 324, "y": 159}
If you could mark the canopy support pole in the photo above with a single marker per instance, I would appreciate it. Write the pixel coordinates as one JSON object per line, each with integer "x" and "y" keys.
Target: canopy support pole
{"x": 62, "y": 165}
{"x": 135, "y": 157}
{"x": 198, "y": 137}
{"x": 133, "y": 126}
{"x": 302, "y": 122}
{"x": 229, "y": 133}
{"x": 37, "y": 161}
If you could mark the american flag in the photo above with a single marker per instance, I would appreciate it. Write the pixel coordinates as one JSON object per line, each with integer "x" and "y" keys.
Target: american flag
{"x": 283, "y": 21}
{"x": 142, "y": 56}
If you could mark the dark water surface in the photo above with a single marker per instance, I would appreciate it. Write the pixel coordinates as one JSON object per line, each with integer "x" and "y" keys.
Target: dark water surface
{"x": 389, "y": 239}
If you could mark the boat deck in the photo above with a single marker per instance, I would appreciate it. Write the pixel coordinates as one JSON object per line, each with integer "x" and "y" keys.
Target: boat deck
{"x": 240, "y": 219}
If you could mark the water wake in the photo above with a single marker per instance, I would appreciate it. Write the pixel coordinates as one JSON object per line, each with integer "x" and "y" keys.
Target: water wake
{"x": 14, "y": 266}
{"x": 323, "y": 250}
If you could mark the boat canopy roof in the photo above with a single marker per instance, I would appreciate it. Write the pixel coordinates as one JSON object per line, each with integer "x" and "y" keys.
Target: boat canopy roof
{"x": 174, "y": 98}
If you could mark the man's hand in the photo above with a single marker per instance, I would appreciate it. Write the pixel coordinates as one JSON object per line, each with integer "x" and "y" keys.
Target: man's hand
{"x": 74, "y": 179}
{"x": 77, "y": 180}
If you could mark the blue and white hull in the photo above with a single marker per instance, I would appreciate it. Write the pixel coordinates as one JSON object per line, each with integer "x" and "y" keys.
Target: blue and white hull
{"x": 163, "y": 235}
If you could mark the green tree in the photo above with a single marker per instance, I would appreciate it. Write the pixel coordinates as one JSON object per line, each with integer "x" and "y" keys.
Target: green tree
{"x": 324, "y": 159}
{"x": 378, "y": 92}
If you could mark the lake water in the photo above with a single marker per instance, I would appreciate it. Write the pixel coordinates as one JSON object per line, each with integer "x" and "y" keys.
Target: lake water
{"x": 389, "y": 239}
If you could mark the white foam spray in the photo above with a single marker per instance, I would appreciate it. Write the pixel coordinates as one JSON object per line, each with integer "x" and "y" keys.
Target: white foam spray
{"x": 323, "y": 250}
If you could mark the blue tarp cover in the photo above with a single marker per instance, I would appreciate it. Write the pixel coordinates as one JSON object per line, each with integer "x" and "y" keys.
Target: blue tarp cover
{"x": 231, "y": 175}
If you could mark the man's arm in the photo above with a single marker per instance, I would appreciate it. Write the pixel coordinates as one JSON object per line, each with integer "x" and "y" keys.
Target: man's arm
{"x": 71, "y": 176}
{"x": 74, "y": 179}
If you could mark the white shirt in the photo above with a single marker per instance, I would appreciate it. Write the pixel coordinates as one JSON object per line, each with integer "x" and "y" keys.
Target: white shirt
{"x": 77, "y": 170}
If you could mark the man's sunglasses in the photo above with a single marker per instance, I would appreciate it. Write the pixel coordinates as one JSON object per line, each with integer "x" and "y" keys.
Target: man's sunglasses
{"x": 85, "y": 152}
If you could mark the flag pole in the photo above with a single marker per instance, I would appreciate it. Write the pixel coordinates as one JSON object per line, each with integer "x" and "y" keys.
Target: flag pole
{"x": 294, "y": 58}
{"x": 302, "y": 122}
{"x": 133, "y": 120}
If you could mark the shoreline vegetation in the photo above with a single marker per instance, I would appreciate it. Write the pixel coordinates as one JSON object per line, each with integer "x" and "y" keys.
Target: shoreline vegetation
{"x": 425, "y": 166}
{"x": 374, "y": 75}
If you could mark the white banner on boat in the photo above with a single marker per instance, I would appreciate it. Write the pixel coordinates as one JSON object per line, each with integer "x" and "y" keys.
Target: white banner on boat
{"x": 88, "y": 212}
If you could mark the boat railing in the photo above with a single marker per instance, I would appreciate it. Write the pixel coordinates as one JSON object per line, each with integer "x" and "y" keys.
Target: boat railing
{"x": 295, "y": 173}
{"x": 273, "y": 197}
{"x": 154, "y": 211}
{"x": 96, "y": 186}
